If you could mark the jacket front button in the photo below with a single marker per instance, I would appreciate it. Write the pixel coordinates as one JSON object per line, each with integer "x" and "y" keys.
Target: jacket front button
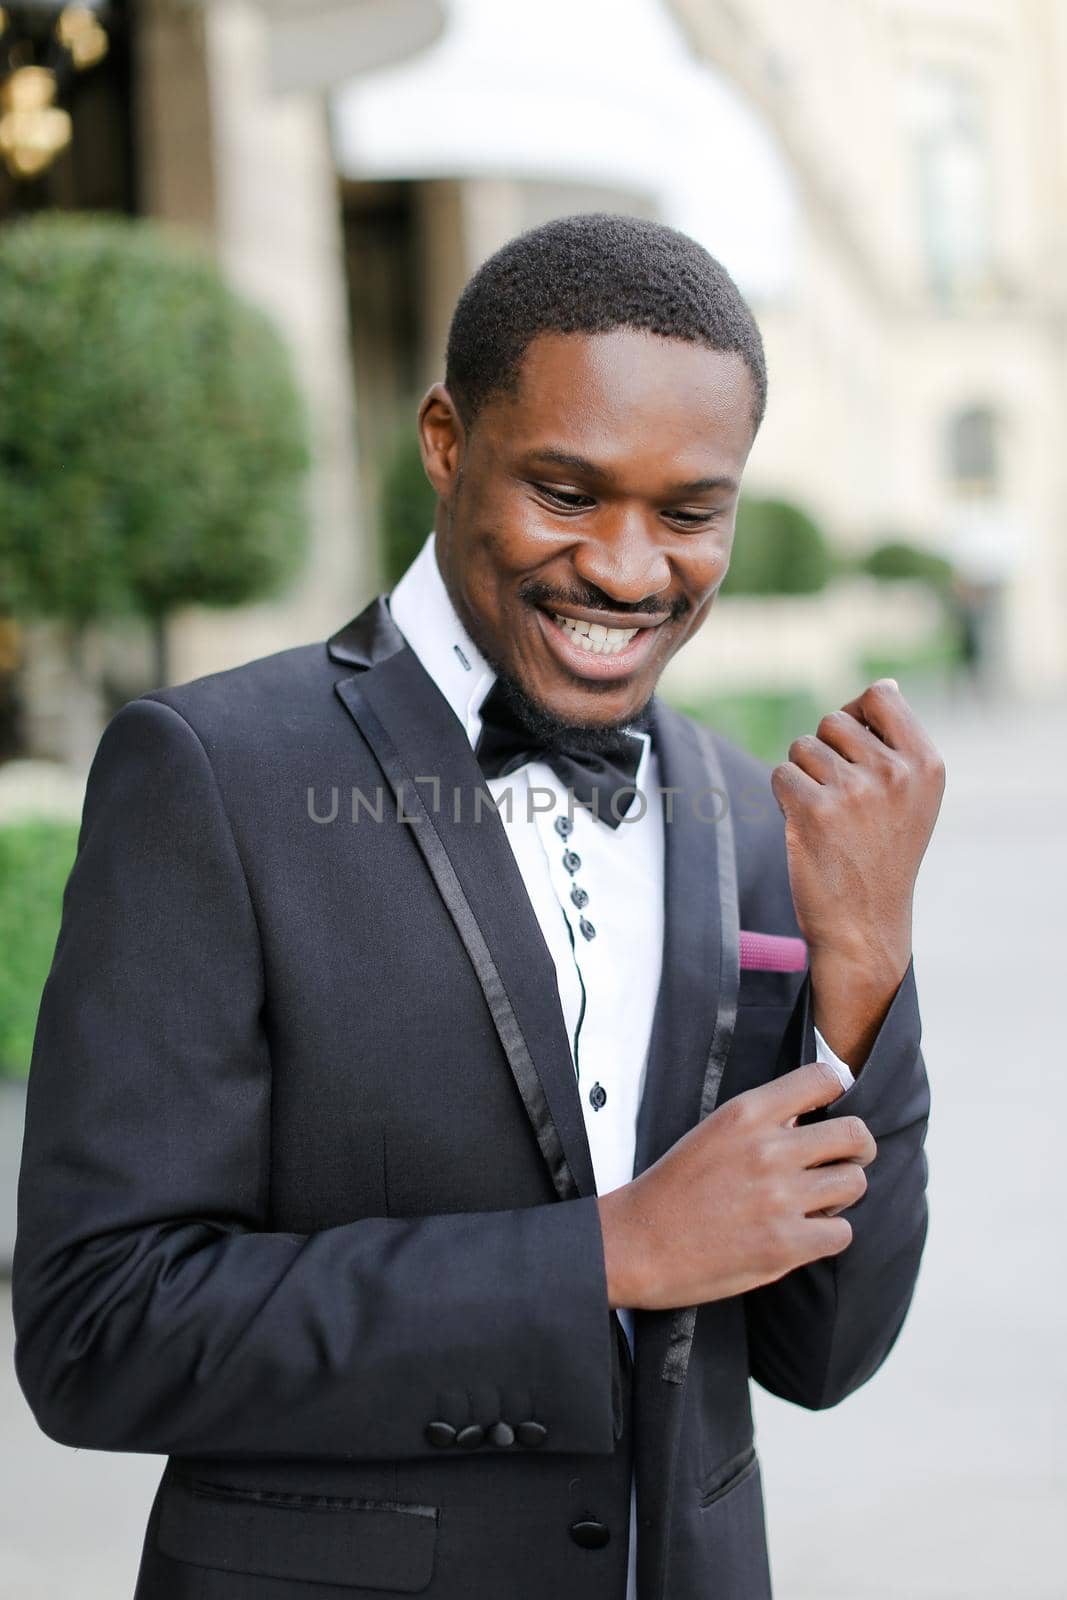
{"x": 531, "y": 1434}
{"x": 470, "y": 1437}
{"x": 589, "y": 1534}
{"x": 502, "y": 1434}
{"x": 442, "y": 1434}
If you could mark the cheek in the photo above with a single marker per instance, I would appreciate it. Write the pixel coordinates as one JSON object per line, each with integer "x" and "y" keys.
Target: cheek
{"x": 703, "y": 573}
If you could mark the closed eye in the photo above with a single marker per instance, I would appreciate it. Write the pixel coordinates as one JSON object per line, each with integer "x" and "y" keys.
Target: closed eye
{"x": 568, "y": 499}
{"x": 694, "y": 519}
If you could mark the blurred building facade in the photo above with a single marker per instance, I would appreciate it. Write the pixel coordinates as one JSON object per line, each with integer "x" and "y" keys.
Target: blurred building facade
{"x": 919, "y": 365}
{"x": 917, "y": 344}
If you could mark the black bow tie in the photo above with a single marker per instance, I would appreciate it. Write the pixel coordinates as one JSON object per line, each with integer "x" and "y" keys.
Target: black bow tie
{"x": 602, "y": 780}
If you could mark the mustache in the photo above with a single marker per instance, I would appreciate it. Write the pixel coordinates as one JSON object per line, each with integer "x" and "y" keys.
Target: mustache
{"x": 542, "y": 594}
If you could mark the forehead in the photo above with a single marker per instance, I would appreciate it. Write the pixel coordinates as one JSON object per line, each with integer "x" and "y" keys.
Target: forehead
{"x": 609, "y": 395}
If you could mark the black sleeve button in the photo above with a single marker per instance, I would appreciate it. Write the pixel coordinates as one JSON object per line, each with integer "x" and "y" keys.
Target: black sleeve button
{"x": 531, "y": 1434}
{"x": 589, "y": 1534}
{"x": 502, "y": 1434}
{"x": 442, "y": 1434}
{"x": 470, "y": 1437}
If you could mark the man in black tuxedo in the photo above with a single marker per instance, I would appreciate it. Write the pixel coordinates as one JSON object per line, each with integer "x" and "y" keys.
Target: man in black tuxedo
{"x": 409, "y": 1157}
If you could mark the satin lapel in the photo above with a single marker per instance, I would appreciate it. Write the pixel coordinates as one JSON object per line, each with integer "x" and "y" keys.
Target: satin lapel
{"x": 690, "y": 994}
{"x": 697, "y": 1006}
{"x": 416, "y": 738}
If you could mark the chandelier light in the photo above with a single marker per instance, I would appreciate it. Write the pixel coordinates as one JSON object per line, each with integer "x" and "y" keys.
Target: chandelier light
{"x": 43, "y": 48}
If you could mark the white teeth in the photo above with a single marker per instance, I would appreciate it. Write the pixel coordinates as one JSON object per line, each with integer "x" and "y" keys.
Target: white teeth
{"x": 594, "y": 637}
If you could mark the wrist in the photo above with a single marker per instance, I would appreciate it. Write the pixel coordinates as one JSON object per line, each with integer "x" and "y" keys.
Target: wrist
{"x": 851, "y": 996}
{"x": 867, "y": 962}
{"x": 621, "y": 1269}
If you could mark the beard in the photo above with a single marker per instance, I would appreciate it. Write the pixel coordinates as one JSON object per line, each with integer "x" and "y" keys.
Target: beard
{"x": 552, "y": 732}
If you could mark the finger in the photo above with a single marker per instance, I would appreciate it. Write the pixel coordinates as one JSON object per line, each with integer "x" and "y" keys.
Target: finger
{"x": 792, "y": 786}
{"x": 829, "y": 1190}
{"x": 836, "y": 1139}
{"x": 817, "y": 759}
{"x": 804, "y": 1089}
{"x": 826, "y": 1236}
{"x": 850, "y": 738}
{"x": 882, "y": 708}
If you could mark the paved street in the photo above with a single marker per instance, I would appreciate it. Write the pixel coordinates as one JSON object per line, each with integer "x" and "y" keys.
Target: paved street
{"x": 945, "y": 1478}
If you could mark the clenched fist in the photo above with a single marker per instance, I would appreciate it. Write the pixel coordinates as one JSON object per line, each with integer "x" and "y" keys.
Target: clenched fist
{"x": 860, "y": 798}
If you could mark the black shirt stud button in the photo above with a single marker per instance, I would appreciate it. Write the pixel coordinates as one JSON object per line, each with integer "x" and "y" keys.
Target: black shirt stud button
{"x": 564, "y": 827}
{"x": 502, "y": 1434}
{"x": 587, "y": 927}
{"x": 531, "y": 1434}
{"x": 579, "y": 897}
{"x": 470, "y": 1437}
{"x": 442, "y": 1434}
{"x": 598, "y": 1096}
{"x": 572, "y": 861}
{"x": 591, "y": 1535}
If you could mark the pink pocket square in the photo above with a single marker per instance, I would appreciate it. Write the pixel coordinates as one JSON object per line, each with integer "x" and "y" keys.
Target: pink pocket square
{"x": 772, "y": 952}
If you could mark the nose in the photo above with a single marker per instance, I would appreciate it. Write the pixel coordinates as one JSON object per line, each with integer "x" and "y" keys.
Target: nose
{"x": 625, "y": 558}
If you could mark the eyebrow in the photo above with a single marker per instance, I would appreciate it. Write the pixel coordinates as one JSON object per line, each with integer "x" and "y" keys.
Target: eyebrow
{"x": 589, "y": 469}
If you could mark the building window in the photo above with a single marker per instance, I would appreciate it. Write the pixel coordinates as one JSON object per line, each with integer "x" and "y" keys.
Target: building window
{"x": 949, "y": 121}
{"x": 972, "y": 452}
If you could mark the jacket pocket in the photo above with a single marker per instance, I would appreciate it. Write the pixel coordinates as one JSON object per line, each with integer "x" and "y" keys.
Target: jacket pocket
{"x": 728, "y": 1475}
{"x": 373, "y": 1544}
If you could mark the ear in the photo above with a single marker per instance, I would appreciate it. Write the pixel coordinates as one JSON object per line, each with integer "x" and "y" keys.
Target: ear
{"x": 441, "y": 439}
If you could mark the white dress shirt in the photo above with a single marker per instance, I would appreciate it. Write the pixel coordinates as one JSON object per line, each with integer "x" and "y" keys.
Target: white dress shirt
{"x": 607, "y": 971}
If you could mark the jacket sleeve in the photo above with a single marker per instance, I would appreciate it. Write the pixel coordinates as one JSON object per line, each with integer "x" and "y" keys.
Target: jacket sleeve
{"x": 821, "y": 1331}
{"x": 155, "y": 1308}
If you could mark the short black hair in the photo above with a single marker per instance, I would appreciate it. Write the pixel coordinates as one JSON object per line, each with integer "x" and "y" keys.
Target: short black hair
{"x": 590, "y": 273}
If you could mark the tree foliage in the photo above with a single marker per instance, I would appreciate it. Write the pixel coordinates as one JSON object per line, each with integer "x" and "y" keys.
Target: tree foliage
{"x": 777, "y": 549}
{"x": 899, "y": 559}
{"x": 407, "y": 504}
{"x": 153, "y": 446}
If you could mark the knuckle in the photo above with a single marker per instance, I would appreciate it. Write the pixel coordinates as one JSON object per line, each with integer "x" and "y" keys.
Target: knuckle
{"x": 932, "y": 767}
{"x": 782, "y": 779}
{"x": 734, "y": 1115}
{"x": 840, "y": 1236}
{"x": 830, "y": 723}
{"x": 764, "y": 1156}
{"x": 855, "y": 1132}
{"x": 824, "y": 1075}
{"x": 773, "y": 1246}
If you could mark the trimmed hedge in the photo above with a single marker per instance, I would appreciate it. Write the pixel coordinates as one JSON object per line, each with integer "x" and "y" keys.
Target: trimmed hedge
{"x": 407, "y": 505}
{"x": 898, "y": 559}
{"x": 777, "y": 549}
{"x": 35, "y": 860}
{"x": 153, "y": 443}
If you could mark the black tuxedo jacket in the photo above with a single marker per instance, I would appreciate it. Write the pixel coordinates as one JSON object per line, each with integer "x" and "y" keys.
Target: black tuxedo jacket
{"x": 306, "y": 1202}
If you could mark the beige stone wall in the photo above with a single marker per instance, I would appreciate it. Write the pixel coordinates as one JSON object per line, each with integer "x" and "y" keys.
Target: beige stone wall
{"x": 867, "y": 365}
{"x": 226, "y": 152}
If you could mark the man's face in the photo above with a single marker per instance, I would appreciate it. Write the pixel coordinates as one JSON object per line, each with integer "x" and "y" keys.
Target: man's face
{"x": 585, "y": 523}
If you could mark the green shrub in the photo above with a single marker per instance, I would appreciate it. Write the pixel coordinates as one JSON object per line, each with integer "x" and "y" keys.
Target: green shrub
{"x": 407, "y": 505}
{"x": 938, "y": 655}
{"x": 153, "y": 446}
{"x": 898, "y": 559}
{"x": 777, "y": 549}
{"x": 35, "y": 859}
{"x": 764, "y": 722}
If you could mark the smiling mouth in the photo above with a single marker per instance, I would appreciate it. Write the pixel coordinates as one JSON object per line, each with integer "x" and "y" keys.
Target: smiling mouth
{"x": 594, "y": 637}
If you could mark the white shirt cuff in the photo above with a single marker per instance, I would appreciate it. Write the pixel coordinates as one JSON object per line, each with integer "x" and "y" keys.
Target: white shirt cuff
{"x": 824, "y": 1053}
